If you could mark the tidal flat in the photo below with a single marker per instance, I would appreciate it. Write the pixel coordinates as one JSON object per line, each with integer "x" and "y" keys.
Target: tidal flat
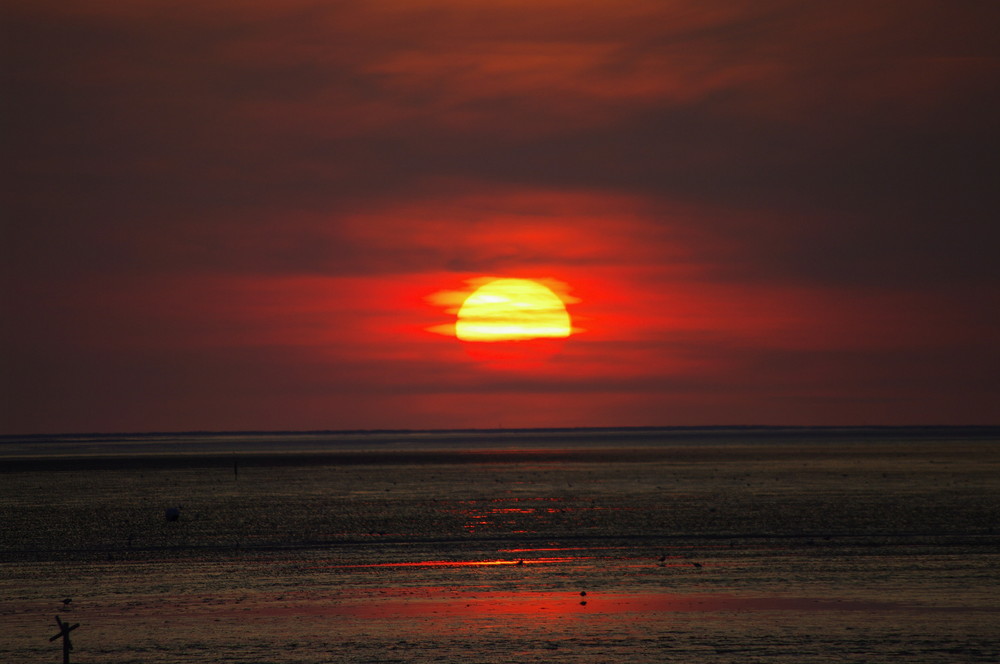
{"x": 693, "y": 546}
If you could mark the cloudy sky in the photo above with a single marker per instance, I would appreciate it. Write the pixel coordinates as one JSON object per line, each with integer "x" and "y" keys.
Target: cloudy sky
{"x": 243, "y": 215}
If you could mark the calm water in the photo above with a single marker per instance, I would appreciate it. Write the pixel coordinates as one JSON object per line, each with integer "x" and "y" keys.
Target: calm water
{"x": 711, "y": 545}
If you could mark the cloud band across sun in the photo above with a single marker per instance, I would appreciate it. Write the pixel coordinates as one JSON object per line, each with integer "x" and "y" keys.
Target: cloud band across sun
{"x": 507, "y": 309}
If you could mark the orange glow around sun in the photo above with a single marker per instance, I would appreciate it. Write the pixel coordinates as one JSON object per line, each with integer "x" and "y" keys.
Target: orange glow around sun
{"x": 512, "y": 310}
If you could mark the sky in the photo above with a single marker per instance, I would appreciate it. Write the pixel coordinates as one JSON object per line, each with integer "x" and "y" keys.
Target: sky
{"x": 238, "y": 215}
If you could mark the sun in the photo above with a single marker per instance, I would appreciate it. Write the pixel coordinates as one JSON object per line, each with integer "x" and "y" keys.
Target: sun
{"x": 512, "y": 310}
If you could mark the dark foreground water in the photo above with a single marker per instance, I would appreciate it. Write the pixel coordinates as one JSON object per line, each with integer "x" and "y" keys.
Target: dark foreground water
{"x": 708, "y": 545}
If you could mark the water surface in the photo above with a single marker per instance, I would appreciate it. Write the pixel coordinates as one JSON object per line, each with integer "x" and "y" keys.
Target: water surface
{"x": 644, "y": 545}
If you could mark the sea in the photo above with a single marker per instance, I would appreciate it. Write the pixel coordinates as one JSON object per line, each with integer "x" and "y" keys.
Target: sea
{"x": 696, "y": 545}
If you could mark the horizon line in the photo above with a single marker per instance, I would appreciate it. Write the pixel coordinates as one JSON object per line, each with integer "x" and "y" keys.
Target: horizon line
{"x": 487, "y": 430}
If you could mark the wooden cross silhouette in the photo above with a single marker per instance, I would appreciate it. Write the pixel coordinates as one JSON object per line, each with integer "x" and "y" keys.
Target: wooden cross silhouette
{"x": 64, "y": 630}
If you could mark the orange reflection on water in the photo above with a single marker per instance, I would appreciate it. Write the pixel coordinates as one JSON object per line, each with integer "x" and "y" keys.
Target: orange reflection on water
{"x": 563, "y": 548}
{"x": 459, "y": 563}
{"x": 521, "y": 517}
{"x": 440, "y": 603}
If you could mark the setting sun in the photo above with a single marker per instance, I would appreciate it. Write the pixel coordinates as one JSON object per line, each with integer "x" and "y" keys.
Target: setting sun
{"x": 512, "y": 310}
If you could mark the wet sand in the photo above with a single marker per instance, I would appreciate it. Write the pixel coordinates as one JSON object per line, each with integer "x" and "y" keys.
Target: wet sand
{"x": 852, "y": 550}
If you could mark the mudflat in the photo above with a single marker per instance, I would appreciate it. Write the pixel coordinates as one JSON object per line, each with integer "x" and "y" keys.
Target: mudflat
{"x": 571, "y": 547}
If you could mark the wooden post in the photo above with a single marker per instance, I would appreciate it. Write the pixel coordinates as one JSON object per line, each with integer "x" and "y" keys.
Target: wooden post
{"x": 64, "y": 630}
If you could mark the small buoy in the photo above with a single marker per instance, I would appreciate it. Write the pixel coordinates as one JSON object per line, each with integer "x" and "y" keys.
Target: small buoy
{"x": 173, "y": 513}
{"x": 67, "y": 601}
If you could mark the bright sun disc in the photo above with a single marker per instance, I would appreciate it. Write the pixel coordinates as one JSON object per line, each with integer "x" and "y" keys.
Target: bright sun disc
{"x": 512, "y": 310}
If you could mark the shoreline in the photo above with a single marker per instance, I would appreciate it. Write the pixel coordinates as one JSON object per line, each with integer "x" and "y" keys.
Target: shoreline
{"x": 679, "y": 444}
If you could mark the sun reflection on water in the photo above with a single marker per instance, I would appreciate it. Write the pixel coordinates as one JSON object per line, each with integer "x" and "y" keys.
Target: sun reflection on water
{"x": 463, "y": 563}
